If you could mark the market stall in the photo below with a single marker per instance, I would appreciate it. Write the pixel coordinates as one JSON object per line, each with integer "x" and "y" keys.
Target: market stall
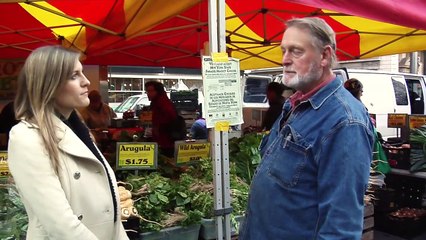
{"x": 400, "y": 203}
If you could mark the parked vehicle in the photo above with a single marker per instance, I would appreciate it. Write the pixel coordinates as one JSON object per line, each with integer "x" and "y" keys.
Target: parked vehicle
{"x": 139, "y": 101}
{"x": 384, "y": 93}
{"x": 131, "y": 103}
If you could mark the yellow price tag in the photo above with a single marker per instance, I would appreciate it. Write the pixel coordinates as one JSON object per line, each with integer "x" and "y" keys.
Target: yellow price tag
{"x": 221, "y": 126}
{"x": 137, "y": 155}
{"x": 220, "y": 57}
{"x": 190, "y": 152}
{"x": 4, "y": 168}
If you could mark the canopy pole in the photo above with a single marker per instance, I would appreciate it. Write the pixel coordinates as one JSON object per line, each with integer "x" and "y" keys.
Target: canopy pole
{"x": 220, "y": 154}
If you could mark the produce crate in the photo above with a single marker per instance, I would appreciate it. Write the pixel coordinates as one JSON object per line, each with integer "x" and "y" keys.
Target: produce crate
{"x": 184, "y": 95}
{"x": 368, "y": 232}
{"x": 408, "y": 190}
{"x": 384, "y": 199}
{"x": 398, "y": 157}
{"x": 186, "y": 105}
{"x": 402, "y": 227}
{"x": 208, "y": 228}
{"x": 174, "y": 233}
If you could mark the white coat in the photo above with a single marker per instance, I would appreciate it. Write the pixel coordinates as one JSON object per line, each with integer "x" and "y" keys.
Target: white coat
{"x": 77, "y": 204}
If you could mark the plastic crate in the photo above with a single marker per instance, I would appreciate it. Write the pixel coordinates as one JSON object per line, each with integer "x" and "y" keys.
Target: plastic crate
{"x": 402, "y": 227}
{"x": 398, "y": 157}
{"x": 408, "y": 190}
{"x": 174, "y": 233}
{"x": 208, "y": 228}
{"x": 184, "y": 95}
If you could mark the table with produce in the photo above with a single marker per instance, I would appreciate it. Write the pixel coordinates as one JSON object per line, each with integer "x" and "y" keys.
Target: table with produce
{"x": 400, "y": 204}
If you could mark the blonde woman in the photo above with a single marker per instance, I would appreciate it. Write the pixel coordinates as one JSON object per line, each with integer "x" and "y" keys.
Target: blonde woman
{"x": 68, "y": 188}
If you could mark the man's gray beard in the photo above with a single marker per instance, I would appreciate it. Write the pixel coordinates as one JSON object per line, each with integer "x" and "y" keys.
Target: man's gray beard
{"x": 302, "y": 82}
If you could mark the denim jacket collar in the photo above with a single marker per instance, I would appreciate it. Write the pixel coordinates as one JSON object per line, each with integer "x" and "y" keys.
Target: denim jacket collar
{"x": 318, "y": 99}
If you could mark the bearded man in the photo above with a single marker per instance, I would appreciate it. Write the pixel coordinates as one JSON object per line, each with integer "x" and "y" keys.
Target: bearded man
{"x": 316, "y": 159}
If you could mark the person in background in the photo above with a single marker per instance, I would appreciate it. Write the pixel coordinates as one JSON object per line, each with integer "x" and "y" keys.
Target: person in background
{"x": 199, "y": 129}
{"x": 67, "y": 187}
{"x": 380, "y": 162}
{"x": 316, "y": 159}
{"x": 354, "y": 86}
{"x": 276, "y": 100}
{"x": 97, "y": 115}
{"x": 7, "y": 121}
{"x": 163, "y": 116}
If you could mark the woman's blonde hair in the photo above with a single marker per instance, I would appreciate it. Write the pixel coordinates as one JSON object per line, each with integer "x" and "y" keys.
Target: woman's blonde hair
{"x": 45, "y": 71}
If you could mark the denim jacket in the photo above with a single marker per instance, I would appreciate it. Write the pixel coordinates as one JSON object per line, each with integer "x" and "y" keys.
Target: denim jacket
{"x": 314, "y": 171}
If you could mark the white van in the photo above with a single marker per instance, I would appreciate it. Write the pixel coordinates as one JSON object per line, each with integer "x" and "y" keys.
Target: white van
{"x": 384, "y": 93}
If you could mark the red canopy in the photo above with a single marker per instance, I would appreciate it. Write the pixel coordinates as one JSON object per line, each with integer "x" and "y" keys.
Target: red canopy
{"x": 157, "y": 33}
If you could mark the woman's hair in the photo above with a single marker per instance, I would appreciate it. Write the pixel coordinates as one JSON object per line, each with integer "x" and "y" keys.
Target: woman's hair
{"x": 158, "y": 87}
{"x": 354, "y": 86}
{"x": 44, "y": 72}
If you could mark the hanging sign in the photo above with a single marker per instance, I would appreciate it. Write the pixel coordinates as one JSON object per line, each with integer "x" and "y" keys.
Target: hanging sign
{"x": 396, "y": 120}
{"x": 189, "y": 152}
{"x": 417, "y": 121}
{"x": 136, "y": 155}
{"x": 222, "y": 90}
{"x": 4, "y": 168}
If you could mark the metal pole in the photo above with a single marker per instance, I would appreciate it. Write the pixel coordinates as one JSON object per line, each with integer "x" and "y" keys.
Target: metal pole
{"x": 413, "y": 62}
{"x": 222, "y": 197}
{"x": 213, "y": 26}
{"x": 226, "y": 189}
{"x": 221, "y": 27}
{"x": 217, "y": 182}
{"x": 424, "y": 62}
{"x": 224, "y": 134}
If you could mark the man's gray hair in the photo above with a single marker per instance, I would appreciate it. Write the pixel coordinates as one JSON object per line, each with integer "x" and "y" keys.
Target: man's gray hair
{"x": 323, "y": 34}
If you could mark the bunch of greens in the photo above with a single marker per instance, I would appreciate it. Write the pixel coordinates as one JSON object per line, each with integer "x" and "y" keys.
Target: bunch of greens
{"x": 156, "y": 203}
{"x": 418, "y": 149}
{"x": 202, "y": 187}
{"x": 13, "y": 218}
{"x": 244, "y": 153}
{"x": 166, "y": 202}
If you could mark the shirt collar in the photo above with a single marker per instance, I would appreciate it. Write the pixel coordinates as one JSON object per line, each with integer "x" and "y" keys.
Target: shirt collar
{"x": 318, "y": 95}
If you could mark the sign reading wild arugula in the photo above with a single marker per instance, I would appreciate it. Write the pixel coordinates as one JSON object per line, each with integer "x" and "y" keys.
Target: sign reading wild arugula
{"x": 190, "y": 152}
{"x": 4, "y": 168}
{"x": 136, "y": 155}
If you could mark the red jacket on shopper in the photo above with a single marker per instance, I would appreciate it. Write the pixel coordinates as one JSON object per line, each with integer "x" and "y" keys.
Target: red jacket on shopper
{"x": 163, "y": 114}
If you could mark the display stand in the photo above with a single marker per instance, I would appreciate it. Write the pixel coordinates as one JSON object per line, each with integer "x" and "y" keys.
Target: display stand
{"x": 400, "y": 122}
{"x": 219, "y": 133}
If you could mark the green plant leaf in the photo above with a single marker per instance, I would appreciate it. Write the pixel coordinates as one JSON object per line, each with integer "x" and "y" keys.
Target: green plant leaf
{"x": 182, "y": 194}
{"x": 153, "y": 199}
{"x": 162, "y": 198}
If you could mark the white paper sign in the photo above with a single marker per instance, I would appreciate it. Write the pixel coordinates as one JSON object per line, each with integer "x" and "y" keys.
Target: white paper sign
{"x": 222, "y": 91}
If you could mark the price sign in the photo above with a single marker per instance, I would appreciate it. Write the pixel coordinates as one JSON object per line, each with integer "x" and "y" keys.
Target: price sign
{"x": 417, "y": 121}
{"x": 189, "y": 152}
{"x": 4, "y": 168}
{"x": 136, "y": 155}
{"x": 146, "y": 116}
{"x": 397, "y": 120}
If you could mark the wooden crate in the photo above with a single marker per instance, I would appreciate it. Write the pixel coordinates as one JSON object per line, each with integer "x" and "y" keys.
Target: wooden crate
{"x": 368, "y": 232}
{"x": 189, "y": 116}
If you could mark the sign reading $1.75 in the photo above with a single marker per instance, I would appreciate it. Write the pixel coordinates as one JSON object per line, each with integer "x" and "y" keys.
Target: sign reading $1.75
{"x": 136, "y": 155}
{"x": 4, "y": 169}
